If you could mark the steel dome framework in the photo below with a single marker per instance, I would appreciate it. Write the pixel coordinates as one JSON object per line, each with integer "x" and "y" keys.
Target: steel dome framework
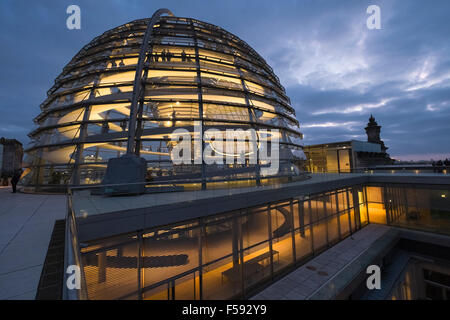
{"x": 188, "y": 71}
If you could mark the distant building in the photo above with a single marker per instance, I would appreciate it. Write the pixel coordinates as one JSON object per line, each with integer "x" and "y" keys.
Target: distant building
{"x": 373, "y": 133}
{"x": 348, "y": 156}
{"x": 11, "y": 153}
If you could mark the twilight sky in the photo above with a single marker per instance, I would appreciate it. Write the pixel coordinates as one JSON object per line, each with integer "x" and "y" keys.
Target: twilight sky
{"x": 335, "y": 70}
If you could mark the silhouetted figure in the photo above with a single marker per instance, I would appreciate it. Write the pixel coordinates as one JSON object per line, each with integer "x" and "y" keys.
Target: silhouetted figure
{"x": 123, "y": 125}
{"x": 174, "y": 114}
{"x": 148, "y": 176}
{"x": 183, "y": 56}
{"x": 121, "y": 64}
{"x": 168, "y": 55}
{"x": 56, "y": 177}
{"x": 163, "y": 55}
{"x": 15, "y": 179}
{"x": 105, "y": 127}
{"x": 439, "y": 166}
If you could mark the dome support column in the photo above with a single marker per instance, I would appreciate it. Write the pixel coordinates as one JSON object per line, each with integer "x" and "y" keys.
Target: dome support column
{"x": 139, "y": 78}
{"x": 200, "y": 102}
{"x": 79, "y": 149}
{"x": 138, "y": 135}
{"x": 126, "y": 175}
{"x": 252, "y": 119}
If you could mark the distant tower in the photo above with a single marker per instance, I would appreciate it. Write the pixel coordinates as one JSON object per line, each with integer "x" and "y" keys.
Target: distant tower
{"x": 373, "y": 133}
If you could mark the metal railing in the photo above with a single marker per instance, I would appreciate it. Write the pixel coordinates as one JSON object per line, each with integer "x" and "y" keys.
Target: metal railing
{"x": 72, "y": 256}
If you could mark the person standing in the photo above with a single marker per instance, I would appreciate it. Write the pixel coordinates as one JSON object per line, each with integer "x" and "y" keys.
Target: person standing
{"x": 15, "y": 179}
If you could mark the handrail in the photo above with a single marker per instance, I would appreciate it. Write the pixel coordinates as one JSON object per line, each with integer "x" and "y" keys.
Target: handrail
{"x": 72, "y": 255}
{"x": 174, "y": 182}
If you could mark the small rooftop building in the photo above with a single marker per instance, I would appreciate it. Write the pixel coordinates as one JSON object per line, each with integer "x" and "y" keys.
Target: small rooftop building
{"x": 348, "y": 156}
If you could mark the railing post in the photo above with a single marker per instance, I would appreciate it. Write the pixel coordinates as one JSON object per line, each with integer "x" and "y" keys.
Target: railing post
{"x": 386, "y": 205}
{"x": 311, "y": 225}
{"x": 269, "y": 211}
{"x": 349, "y": 213}
{"x": 139, "y": 264}
{"x": 367, "y": 204}
{"x": 201, "y": 235}
{"x": 324, "y": 202}
{"x": 291, "y": 205}
{"x": 301, "y": 216}
{"x": 338, "y": 215}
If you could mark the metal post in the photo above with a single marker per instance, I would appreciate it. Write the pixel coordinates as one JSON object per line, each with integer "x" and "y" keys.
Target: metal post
{"x": 338, "y": 215}
{"x": 348, "y": 212}
{"x": 311, "y": 225}
{"x": 139, "y": 263}
{"x": 356, "y": 208}
{"x": 235, "y": 241}
{"x": 137, "y": 149}
{"x": 405, "y": 195}
{"x": 200, "y": 103}
{"x": 301, "y": 216}
{"x": 138, "y": 77}
{"x": 102, "y": 267}
{"x": 367, "y": 205}
{"x": 173, "y": 289}
{"x": 324, "y": 201}
{"x": 80, "y": 144}
{"x": 291, "y": 205}
{"x": 252, "y": 121}
{"x": 338, "y": 161}
{"x": 241, "y": 257}
{"x": 270, "y": 240}
{"x": 386, "y": 204}
{"x": 202, "y": 233}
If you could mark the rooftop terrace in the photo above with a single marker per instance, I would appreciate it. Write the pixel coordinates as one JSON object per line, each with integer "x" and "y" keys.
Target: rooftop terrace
{"x": 27, "y": 220}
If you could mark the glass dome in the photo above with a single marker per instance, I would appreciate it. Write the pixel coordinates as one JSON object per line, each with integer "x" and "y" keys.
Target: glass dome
{"x": 194, "y": 73}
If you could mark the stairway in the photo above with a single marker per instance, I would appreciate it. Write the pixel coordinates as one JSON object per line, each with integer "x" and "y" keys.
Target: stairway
{"x": 52, "y": 276}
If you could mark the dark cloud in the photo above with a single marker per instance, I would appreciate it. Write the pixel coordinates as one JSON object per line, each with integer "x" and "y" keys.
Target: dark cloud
{"x": 336, "y": 71}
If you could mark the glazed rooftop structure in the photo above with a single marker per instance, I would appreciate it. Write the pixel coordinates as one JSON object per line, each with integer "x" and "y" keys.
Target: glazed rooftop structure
{"x": 192, "y": 71}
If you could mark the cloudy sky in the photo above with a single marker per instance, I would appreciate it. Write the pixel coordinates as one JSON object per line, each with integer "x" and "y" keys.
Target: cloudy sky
{"x": 336, "y": 71}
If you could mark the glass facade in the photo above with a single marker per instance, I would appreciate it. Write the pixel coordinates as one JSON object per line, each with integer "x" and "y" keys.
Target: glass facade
{"x": 422, "y": 280}
{"x": 334, "y": 157}
{"x": 194, "y": 72}
{"x": 224, "y": 256}
{"x": 234, "y": 254}
{"x": 415, "y": 207}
